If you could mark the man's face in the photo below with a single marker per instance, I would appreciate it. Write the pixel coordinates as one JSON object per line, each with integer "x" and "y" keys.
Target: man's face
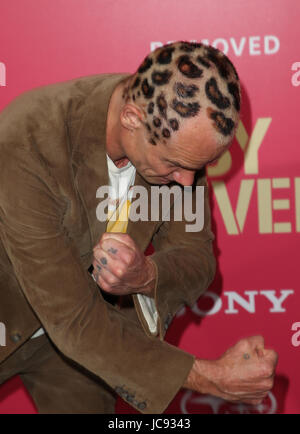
{"x": 180, "y": 157}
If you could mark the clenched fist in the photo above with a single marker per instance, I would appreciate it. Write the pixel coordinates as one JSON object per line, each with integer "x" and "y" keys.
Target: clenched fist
{"x": 121, "y": 268}
{"x": 244, "y": 373}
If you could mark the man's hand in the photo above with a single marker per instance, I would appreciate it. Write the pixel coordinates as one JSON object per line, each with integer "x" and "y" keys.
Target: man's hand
{"x": 244, "y": 373}
{"x": 121, "y": 268}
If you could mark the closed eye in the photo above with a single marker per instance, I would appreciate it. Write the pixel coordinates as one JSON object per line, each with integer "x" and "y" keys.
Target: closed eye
{"x": 176, "y": 164}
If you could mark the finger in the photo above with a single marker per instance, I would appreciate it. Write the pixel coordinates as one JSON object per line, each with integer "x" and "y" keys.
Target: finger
{"x": 121, "y": 237}
{"x": 271, "y": 356}
{"x": 259, "y": 352}
{"x": 109, "y": 262}
{"x": 105, "y": 274}
{"x": 269, "y": 360}
{"x": 118, "y": 250}
{"x": 253, "y": 401}
{"x": 246, "y": 397}
{"x": 254, "y": 390}
{"x": 105, "y": 286}
{"x": 102, "y": 258}
{"x": 106, "y": 265}
{"x": 256, "y": 342}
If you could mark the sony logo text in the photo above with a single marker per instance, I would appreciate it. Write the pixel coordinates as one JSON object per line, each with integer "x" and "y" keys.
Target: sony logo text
{"x": 253, "y": 45}
{"x": 232, "y": 302}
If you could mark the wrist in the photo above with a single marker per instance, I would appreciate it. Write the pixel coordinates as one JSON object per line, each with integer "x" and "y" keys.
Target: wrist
{"x": 149, "y": 285}
{"x": 202, "y": 377}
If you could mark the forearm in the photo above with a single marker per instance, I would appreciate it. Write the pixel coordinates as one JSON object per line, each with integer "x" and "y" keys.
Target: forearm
{"x": 169, "y": 290}
{"x": 151, "y": 282}
{"x": 184, "y": 274}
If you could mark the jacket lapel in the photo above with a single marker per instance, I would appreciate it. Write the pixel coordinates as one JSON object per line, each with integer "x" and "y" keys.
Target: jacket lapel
{"x": 142, "y": 231}
{"x": 90, "y": 164}
{"x": 89, "y": 154}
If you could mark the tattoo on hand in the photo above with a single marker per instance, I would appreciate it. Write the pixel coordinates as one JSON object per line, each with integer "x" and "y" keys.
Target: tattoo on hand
{"x": 99, "y": 268}
{"x": 103, "y": 261}
{"x": 112, "y": 250}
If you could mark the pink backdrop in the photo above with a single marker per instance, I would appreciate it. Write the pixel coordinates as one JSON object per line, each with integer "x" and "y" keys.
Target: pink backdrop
{"x": 255, "y": 188}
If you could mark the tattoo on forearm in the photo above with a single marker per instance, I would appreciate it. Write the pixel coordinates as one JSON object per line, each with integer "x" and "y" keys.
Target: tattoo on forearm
{"x": 112, "y": 250}
{"x": 103, "y": 261}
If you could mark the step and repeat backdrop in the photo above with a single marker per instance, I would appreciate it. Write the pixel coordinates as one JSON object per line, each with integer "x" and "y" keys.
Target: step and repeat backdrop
{"x": 255, "y": 186}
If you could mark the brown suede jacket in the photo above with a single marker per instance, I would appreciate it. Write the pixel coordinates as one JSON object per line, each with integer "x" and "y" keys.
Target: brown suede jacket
{"x": 53, "y": 160}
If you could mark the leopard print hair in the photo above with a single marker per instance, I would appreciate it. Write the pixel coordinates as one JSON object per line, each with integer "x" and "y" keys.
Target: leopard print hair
{"x": 179, "y": 80}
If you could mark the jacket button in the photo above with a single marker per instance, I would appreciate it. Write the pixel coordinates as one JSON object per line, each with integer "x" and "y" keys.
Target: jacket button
{"x": 129, "y": 398}
{"x": 16, "y": 337}
{"x": 142, "y": 406}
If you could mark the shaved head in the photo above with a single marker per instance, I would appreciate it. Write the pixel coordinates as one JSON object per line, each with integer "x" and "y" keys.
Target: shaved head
{"x": 181, "y": 81}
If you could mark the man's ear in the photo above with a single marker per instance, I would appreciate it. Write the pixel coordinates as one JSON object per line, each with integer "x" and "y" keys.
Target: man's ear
{"x": 131, "y": 116}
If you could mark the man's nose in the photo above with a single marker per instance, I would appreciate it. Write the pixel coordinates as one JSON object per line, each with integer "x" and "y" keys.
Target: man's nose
{"x": 184, "y": 177}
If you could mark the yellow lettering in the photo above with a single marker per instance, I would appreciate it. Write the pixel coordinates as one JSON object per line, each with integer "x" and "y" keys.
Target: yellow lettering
{"x": 278, "y": 204}
{"x": 221, "y": 167}
{"x": 225, "y": 207}
{"x": 254, "y": 143}
{"x": 264, "y": 206}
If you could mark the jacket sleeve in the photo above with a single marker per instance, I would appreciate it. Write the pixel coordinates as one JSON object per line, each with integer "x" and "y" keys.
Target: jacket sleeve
{"x": 145, "y": 371}
{"x": 185, "y": 265}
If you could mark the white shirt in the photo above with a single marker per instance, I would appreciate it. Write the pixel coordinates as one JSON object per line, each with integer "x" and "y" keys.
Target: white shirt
{"x": 121, "y": 180}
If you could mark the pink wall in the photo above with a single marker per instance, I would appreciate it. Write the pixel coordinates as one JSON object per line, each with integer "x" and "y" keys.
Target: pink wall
{"x": 256, "y": 290}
